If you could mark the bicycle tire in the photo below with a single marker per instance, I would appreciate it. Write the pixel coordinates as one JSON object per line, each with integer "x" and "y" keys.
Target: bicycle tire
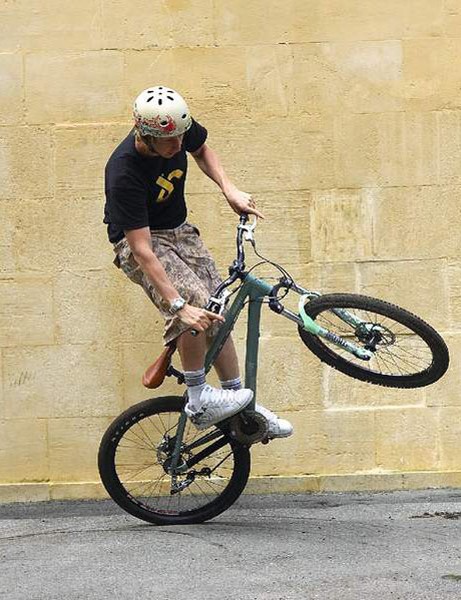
{"x": 164, "y": 408}
{"x": 330, "y": 354}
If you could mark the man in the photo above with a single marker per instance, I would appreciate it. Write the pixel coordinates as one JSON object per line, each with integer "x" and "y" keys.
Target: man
{"x": 158, "y": 249}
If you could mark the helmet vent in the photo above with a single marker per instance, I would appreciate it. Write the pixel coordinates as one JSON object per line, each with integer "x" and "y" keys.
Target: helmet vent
{"x": 161, "y": 112}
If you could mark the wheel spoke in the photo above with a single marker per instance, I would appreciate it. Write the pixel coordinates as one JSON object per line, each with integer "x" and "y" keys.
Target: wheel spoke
{"x": 410, "y": 360}
{"x": 149, "y": 446}
{"x": 393, "y": 361}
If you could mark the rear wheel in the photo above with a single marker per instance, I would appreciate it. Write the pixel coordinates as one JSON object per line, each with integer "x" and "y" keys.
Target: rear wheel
{"x": 406, "y": 351}
{"x": 135, "y": 454}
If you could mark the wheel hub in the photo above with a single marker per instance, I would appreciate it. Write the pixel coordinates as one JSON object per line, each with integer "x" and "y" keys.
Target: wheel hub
{"x": 164, "y": 455}
{"x": 373, "y": 335}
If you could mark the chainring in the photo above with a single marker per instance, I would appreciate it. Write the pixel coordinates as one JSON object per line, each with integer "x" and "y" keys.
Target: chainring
{"x": 248, "y": 427}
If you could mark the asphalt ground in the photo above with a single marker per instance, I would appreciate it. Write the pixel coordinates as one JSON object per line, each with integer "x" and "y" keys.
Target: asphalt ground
{"x": 357, "y": 546}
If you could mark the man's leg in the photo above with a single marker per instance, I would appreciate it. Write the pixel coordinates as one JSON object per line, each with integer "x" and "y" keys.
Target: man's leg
{"x": 206, "y": 405}
{"x": 226, "y": 364}
{"x": 192, "y": 350}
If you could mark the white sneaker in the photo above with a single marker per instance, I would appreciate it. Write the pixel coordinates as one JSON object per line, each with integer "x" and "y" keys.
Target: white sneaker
{"x": 278, "y": 428}
{"x": 215, "y": 405}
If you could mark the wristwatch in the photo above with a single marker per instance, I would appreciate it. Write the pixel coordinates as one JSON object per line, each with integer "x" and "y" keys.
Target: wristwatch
{"x": 176, "y": 305}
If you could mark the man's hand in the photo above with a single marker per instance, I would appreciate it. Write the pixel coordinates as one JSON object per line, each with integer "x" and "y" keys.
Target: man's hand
{"x": 241, "y": 202}
{"x": 198, "y": 318}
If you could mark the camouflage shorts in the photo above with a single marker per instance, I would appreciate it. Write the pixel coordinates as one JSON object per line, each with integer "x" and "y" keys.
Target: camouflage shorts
{"x": 188, "y": 264}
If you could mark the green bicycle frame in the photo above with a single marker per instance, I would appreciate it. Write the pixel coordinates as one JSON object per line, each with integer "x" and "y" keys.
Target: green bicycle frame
{"x": 255, "y": 290}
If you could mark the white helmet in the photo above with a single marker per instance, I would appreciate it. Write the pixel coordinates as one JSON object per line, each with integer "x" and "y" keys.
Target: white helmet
{"x": 161, "y": 112}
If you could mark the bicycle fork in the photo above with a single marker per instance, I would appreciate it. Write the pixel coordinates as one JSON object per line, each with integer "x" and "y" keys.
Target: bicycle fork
{"x": 306, "y": 322}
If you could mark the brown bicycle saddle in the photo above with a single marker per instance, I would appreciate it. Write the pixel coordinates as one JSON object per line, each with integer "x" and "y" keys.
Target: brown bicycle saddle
{"x": 156, "y": 373}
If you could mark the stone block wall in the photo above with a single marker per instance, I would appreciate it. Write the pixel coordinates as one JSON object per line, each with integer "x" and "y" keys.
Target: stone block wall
{"x": 341, "y": 117}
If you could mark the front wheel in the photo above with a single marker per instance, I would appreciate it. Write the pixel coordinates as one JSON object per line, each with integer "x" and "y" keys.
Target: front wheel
{"x": 406, "y": 351}
{"x": 135, "y": 455}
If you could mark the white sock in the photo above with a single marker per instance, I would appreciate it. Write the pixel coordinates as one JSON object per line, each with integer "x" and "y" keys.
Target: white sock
{"x": 232, "y": 384}
{"x": 195, "y": 381}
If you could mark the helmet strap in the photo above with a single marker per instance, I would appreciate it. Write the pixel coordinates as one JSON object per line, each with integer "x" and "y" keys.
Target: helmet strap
{"x": 147, "y": 140}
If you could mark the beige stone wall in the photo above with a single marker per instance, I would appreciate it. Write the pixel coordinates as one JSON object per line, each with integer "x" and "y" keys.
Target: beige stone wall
{"x": 342, "y": 117}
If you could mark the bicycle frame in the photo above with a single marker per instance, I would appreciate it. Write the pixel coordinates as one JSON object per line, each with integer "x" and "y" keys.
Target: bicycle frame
{"x": 253, "y": 290}
{"x": 256, "y": 290}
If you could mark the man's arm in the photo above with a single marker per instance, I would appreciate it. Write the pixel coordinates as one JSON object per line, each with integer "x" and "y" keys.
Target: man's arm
{"x": 140, "y": 244}
{"x": 141, "y": 247}
{"x": 209, "y": 163}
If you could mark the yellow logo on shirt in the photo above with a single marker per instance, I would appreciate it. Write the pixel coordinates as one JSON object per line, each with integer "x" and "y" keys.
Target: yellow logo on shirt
{"x": 166, "y": 185}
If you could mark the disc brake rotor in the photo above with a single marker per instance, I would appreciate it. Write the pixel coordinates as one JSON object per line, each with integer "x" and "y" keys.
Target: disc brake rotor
{"x": 164, "y": 455}
{"x": 373, "y": 336}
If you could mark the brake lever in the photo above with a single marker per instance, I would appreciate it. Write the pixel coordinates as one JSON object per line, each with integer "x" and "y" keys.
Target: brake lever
{"x": 248, "y": 229}
{"x": 218, "y": 305}
{"x": 215, "y": 305}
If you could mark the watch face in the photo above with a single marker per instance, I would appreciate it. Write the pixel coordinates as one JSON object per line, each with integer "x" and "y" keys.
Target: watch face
{"x": 177, "y": 305}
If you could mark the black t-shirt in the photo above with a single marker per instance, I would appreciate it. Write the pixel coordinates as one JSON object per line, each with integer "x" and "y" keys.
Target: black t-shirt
{"x": 147, "y": 192}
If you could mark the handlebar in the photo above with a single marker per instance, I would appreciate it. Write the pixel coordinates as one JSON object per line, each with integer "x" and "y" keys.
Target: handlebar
{"x": 218, "y": 301}
{"x": 237, "y": 268}
{"x": 244, "y": 231}
{"x": 240, "y": 262}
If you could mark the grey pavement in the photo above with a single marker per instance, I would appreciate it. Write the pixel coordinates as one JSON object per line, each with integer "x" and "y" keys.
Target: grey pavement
{"x": 358, "y": 546}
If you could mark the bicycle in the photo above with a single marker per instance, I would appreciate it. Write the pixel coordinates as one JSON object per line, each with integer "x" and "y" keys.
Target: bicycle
{"x": 159, "y": 468}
